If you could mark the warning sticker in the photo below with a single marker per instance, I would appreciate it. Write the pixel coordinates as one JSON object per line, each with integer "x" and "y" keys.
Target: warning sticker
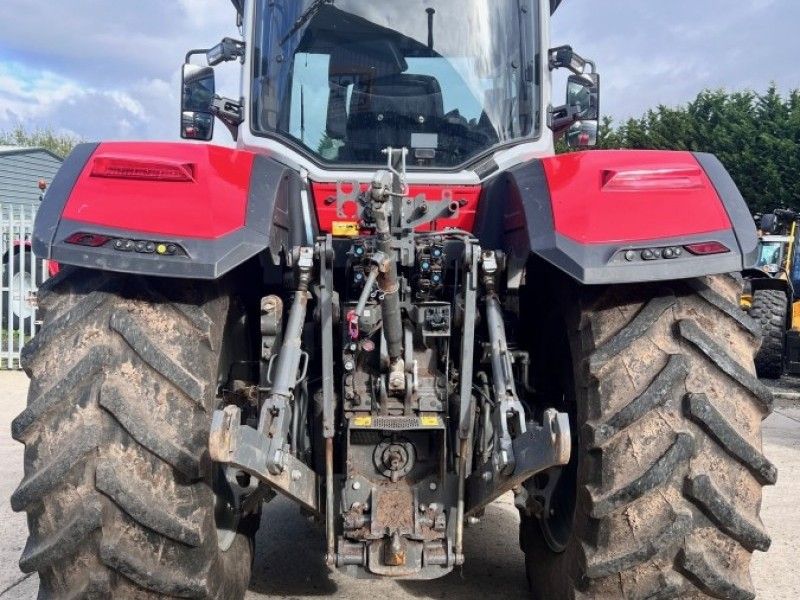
{"x": 345, "y": 229}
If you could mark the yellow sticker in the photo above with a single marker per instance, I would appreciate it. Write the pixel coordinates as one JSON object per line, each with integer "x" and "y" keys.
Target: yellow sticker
{"x": 362, "y": 421}
{"x": 345, "y": 229}
{"x": 429, "y": 421}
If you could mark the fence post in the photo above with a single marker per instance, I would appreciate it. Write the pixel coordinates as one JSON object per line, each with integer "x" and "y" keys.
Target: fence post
{"x": 22, "y": 273}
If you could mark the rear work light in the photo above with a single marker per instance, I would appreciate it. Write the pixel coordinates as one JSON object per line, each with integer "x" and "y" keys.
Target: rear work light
{"x": 94, "y": 240}
{"x": 150, "y": 170}
{"x": 707, "y": 248}
{"x": 88, "y": 239}
{"x": 653, "y": 180}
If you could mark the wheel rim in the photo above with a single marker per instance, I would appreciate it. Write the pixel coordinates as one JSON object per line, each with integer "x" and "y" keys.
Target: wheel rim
{"x": 227, "y": 506}
{"x": 558, "y": 518}
{"x": 559, "y": 490}
{"x": 230, "y": 486}
{"x": 21, "y": 288}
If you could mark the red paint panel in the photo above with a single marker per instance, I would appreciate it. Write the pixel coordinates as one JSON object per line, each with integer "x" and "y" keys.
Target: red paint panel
{"x": 208, "y": 205}
{"x": 618, "y": 196}
{"x": 466, "y": 195}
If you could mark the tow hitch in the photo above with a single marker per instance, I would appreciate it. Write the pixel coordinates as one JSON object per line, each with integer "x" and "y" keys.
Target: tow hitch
{"x": 403, "y": 466}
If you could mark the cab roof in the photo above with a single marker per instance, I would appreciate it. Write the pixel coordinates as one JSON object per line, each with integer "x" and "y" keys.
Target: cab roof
{"x": 239, "y": 4}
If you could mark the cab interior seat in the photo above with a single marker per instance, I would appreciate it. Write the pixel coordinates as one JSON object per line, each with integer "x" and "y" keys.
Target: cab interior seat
{"x": 387, "y": 111}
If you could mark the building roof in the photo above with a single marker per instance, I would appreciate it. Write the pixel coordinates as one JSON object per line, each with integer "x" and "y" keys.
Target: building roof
{"x": 9, "y": 150}
{"x": 21, "y": 170}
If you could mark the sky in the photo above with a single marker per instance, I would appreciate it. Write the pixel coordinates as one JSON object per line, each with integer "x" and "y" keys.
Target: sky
{"x": 111, "y": 70}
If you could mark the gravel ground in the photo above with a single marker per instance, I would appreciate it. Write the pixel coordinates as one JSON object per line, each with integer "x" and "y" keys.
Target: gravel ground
{"x": 289, "y": 560}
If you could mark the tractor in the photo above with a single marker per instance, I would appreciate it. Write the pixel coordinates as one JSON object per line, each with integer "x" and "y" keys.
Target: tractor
{"x": 772, "y": 294}
{"x": 392, "y": 304}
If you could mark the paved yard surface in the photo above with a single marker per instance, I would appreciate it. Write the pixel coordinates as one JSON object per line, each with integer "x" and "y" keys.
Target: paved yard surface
{"x": 289, "y": 562}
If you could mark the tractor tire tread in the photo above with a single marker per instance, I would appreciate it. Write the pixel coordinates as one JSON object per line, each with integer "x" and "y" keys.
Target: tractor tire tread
{"x": 671, "y": 464}
{"x": 769, "y": 310}
{"x": 117, "y": 475}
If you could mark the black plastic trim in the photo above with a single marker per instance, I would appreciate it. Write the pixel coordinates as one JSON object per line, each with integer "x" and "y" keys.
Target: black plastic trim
{"x": 49, "y": 214}
{"x": 743, "y": 224}
{"x": 595, "y": 264}
{"x": 206, "y": 259}
{"x": 769, "y": 283}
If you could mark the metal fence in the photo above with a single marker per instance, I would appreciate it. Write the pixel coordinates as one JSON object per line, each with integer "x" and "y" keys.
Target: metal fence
{"x": 22, "y": 273}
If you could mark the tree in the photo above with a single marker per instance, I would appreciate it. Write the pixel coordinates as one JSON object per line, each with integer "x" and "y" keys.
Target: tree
{"x": 756, "y": 136}
{"x": 58, "y": 143}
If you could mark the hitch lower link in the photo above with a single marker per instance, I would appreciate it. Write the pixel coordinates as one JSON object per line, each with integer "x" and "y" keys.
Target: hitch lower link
{"x": 264, "y": 452}
{"x": 521, "y": 449}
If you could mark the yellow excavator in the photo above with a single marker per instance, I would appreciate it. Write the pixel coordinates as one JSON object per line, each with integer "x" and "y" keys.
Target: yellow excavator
{"x": 772, "y": 295}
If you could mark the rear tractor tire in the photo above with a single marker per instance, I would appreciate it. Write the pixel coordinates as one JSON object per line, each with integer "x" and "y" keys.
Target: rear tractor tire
{"x": 665, "y": 492}
{"x": 121, "y": 497}
{"x": 770, "y": 310}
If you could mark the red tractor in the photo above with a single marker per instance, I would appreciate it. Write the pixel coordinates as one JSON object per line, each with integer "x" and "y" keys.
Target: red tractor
{"x": 392, "y": 304}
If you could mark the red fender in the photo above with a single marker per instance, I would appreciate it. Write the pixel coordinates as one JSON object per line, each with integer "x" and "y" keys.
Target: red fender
{"x": 620, "y": 216}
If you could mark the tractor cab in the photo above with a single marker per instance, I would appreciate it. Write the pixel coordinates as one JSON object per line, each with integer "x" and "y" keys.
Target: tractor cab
{"x": 329, "y": 85}
{"x": 772, "y": 253}
{"x": 341, "y": 82}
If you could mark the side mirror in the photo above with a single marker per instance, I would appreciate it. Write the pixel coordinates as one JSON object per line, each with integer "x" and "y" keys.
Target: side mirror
{"x": 579, "y": 118}
{"x": 583, "y": 95}
{"x": 583, "y": 134}
{"x": 583, "y": 101}
{"x": 198, "y": 92}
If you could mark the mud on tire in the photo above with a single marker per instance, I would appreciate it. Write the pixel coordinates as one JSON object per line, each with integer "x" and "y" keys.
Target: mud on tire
{"x": 770, "y": 310}
{"x": 669, "y": 461}
{"x": 117, "y": 484}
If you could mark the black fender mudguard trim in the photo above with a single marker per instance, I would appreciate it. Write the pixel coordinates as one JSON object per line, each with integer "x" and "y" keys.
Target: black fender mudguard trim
{"x": 515, "y": 215}
{"x": 55, "y": 199}
{"x": 203, "y": 259}
{"x": 735, "y": 205}
{"x": 761, "y": 281}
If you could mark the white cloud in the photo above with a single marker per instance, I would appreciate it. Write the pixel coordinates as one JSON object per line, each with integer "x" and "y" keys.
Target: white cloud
{"x": 106, "y": 69}
{"x": 652, "y": 53}
{"x": 206, "y": 14}
{"x": 26, "y": 93}
{"x": 43, "y": 99}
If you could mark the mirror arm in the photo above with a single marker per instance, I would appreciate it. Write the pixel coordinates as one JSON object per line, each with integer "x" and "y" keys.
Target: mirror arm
{"x": 195, "y": 52}
{"x": 230, "y": 113}
{"x": 561, "y": 118}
